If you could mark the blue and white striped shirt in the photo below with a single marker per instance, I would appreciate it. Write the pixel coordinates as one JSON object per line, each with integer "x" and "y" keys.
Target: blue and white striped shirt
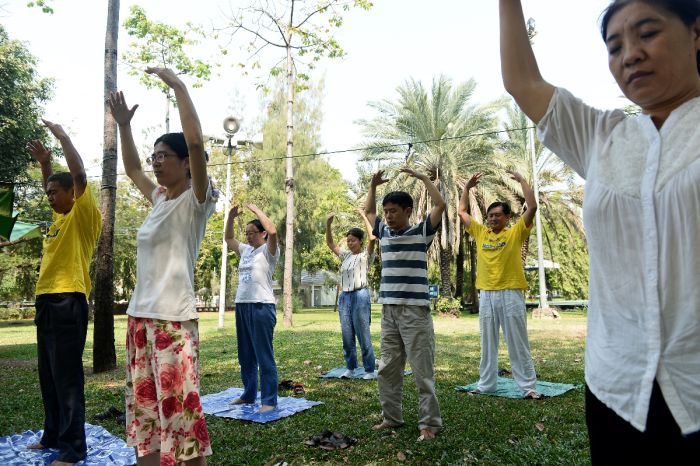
{"x": 405, "y": 263}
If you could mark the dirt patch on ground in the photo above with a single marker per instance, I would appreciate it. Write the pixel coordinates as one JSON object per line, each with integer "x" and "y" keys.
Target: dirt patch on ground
{"x": 15, "y": 363}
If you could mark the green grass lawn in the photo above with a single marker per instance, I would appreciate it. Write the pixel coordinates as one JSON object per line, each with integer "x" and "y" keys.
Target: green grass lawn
{"x": 477, "y": 429}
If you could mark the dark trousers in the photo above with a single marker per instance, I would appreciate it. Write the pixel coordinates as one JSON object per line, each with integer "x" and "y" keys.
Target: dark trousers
{"x": 615, "y": 442}
{"x": 61, "y": 327}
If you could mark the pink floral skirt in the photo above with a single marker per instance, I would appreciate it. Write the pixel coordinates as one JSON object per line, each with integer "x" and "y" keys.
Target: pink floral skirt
{"x": 163, "y": 411}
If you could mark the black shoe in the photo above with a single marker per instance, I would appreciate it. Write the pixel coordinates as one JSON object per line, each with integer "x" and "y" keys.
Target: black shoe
{"x": 122, "y": 419}
{"x": 109, "y": 414}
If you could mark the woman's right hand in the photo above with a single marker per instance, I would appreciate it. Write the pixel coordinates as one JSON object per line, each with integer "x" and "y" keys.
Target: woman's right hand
{"x": 234, "y": 212}
{"x": 120, "y": 111}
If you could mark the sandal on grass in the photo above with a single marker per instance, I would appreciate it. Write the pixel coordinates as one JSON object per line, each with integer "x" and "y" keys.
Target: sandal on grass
{"x": 285, "y": 385}
{"x": 299, "y": 389}
{"x": 338, "y": 441}
{"x": 315, "y": 440}
{"x": 109, "y": 414}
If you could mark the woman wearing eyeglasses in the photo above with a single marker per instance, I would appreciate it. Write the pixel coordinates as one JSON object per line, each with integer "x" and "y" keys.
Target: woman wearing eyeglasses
{"x": 164, "y": 415}
{"x": 256, "y": 315}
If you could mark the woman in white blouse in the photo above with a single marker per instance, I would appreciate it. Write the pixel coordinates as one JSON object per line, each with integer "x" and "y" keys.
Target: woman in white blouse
{"x": 354, "y": 305}
{"x": 642, "y": 217}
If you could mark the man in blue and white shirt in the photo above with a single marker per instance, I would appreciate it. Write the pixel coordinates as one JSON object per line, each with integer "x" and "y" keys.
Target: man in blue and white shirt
{"x": 407, "y": 325}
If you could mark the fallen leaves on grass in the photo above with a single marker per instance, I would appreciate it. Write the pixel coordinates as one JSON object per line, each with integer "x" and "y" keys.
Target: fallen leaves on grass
{"x": 401, "y": 456}
{"x": 539, "y": 426}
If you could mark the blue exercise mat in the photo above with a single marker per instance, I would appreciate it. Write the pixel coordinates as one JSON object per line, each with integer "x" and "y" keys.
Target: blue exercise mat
{"x": 217, "y": 404}
{"x": 509, "y": 388}
{"x": 103, "y": 449}
{"x": 359, "y": 373}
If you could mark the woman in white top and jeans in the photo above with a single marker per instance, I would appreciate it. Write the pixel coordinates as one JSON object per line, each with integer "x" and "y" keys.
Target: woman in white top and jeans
{"x": 354, "y": 305}
{"x": 164, "y": 418}
{"x": 256, "y": 315}
{"x": 642, "y": 217}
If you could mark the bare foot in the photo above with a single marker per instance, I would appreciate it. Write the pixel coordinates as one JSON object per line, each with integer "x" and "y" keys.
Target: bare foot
{"x": 61, "y": 463}
{"x": 238, "y": 401}
{"x": 531, "y": 396}
{"x": 266, "y": 408}
{"x": 36, "y": 446}
{"x": 426, "y": 434}
{"x": 381, "y": 426}
{"x": 476, "y": 391}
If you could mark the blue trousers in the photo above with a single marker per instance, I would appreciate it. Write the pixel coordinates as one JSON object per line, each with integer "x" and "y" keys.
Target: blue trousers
{"x": 61, "y": 328}
{"x": 255, "y": 325}
{"x": 355, "y": 309}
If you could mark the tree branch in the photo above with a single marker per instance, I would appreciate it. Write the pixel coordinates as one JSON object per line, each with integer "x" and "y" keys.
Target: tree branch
{"x": 4, "y": 244}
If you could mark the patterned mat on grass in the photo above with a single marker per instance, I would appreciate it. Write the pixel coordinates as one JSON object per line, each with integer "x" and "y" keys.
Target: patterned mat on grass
{"x": 359, "y": 373}
{"x": 103, "y": 449}
{"x": 509, "y": 388}
{"x": 217, "y": 404}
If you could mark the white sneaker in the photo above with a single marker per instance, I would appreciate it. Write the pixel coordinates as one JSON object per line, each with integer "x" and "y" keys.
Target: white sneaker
{"x": 370, "y": 375}
{"x": 348, "y": 373}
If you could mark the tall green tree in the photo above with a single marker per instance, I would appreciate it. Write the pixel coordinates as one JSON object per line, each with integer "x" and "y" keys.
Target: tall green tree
{"x": 162, "y": 45}
{"x": 282, "y": 25}
{"x": 462, "y": 142}
{"x": 23, "y": 95}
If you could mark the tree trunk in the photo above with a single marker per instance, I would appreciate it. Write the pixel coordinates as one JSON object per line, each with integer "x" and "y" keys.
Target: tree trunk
{"x": 472, "y": 265}
{"x": 167, "y": 114}
{"x": 445, "y": 267}
{"x": 459, "y": 281}
{"x": 524, "y": 249}
{"x": 104, "y": 355}
{"x": 289, "y": 189}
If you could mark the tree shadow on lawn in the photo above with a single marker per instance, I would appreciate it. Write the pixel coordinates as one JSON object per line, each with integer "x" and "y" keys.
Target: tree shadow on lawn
{"x": 475, "y": 427}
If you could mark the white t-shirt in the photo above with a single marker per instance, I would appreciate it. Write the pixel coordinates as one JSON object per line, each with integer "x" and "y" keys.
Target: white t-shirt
{"x": 255, "y": 274}
{"x": 168, "y": 244}
{"x": 354, "y": 269}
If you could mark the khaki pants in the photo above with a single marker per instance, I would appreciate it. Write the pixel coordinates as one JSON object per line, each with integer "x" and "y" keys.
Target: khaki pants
{"x": 408, "y": 331}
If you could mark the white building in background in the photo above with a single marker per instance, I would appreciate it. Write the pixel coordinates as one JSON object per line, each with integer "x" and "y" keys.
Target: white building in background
{"x": 319, "y": 288}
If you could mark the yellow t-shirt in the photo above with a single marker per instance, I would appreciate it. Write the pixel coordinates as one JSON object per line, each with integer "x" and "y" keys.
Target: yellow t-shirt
{"x": 499, "y": 264}
{"x": 68, "y": 247}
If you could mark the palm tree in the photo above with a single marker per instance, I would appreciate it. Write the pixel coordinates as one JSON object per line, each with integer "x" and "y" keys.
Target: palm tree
{"x": 461, "y": 140}
{"x": 560, "y": 195}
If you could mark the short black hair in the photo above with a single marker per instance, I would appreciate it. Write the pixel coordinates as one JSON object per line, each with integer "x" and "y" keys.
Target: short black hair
{"x": 504, "y": 205}
{"x": 258, "y": 224}
{"x": 64, "y": 180}
{"x": 177, "y": 142}
{"x": 357, "y": 233}
{"x": 687, "y": 10}
{"x": 400, "y": 198}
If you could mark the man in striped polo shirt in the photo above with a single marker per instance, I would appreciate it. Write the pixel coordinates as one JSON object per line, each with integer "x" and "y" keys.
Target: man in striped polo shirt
{"x": 407, "y": 325}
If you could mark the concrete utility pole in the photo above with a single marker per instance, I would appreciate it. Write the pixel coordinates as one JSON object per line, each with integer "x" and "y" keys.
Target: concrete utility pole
{"x": 543, "y": 311}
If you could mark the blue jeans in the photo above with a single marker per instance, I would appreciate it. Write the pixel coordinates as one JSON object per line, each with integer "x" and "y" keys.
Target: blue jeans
{"x": 255, "y": 324}
{"x": 355, "y": 311}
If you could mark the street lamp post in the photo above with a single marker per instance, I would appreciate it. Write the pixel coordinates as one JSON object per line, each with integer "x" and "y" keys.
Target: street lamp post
{"x": 543, "y": 311}
{"x": 231, "y": 127}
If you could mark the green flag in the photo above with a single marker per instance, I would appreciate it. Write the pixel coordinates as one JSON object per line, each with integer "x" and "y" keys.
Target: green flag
{"x": 7, "y": 198}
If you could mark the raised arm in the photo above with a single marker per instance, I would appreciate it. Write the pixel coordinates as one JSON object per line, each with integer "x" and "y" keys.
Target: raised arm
{"x": 329, "y": 236}
{"x": 268, "y": 226}
{"x": 529, "y": 196}
{"x": 192, "y": 130}
{"x": 73, "y": 160}
{"x": 232, "y": 242}
{"x": 438, "y": 202}
{"x": 371, "y": 202}
{"x": 521, "y": 75}
{"x": 464, "y": 201}
{"x": 130, "y": 155}
{"x": 370, "y": 228}
{"x": 43, "y": 156}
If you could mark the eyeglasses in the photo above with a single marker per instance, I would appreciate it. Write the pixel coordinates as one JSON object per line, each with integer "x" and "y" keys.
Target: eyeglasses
{"x": 159, "y": 157}
{"x": 248, "y": 234}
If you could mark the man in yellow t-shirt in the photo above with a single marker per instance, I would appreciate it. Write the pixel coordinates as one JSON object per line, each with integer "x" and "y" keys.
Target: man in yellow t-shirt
{"x": 501, "y": 279}
{"x": 61, "y": 305}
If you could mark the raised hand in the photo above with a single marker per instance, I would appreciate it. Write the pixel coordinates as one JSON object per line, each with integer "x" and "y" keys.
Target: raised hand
{"x": 253, "y": 208}
{"x": 40, "y": 153}
{"x": 166, "y": 75}
{"x": 361, "y": 213}
{"x": 473, "y": 181}
{"x": 330, "y": 218}
{"x": 56, "y": 129}
{"x": 120, "y": 111}
{"x": 378, "y": 178}
{"x": 516, "y": 176}
{"x": 413, "y": 173}
{"x": 234, "y": 212}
